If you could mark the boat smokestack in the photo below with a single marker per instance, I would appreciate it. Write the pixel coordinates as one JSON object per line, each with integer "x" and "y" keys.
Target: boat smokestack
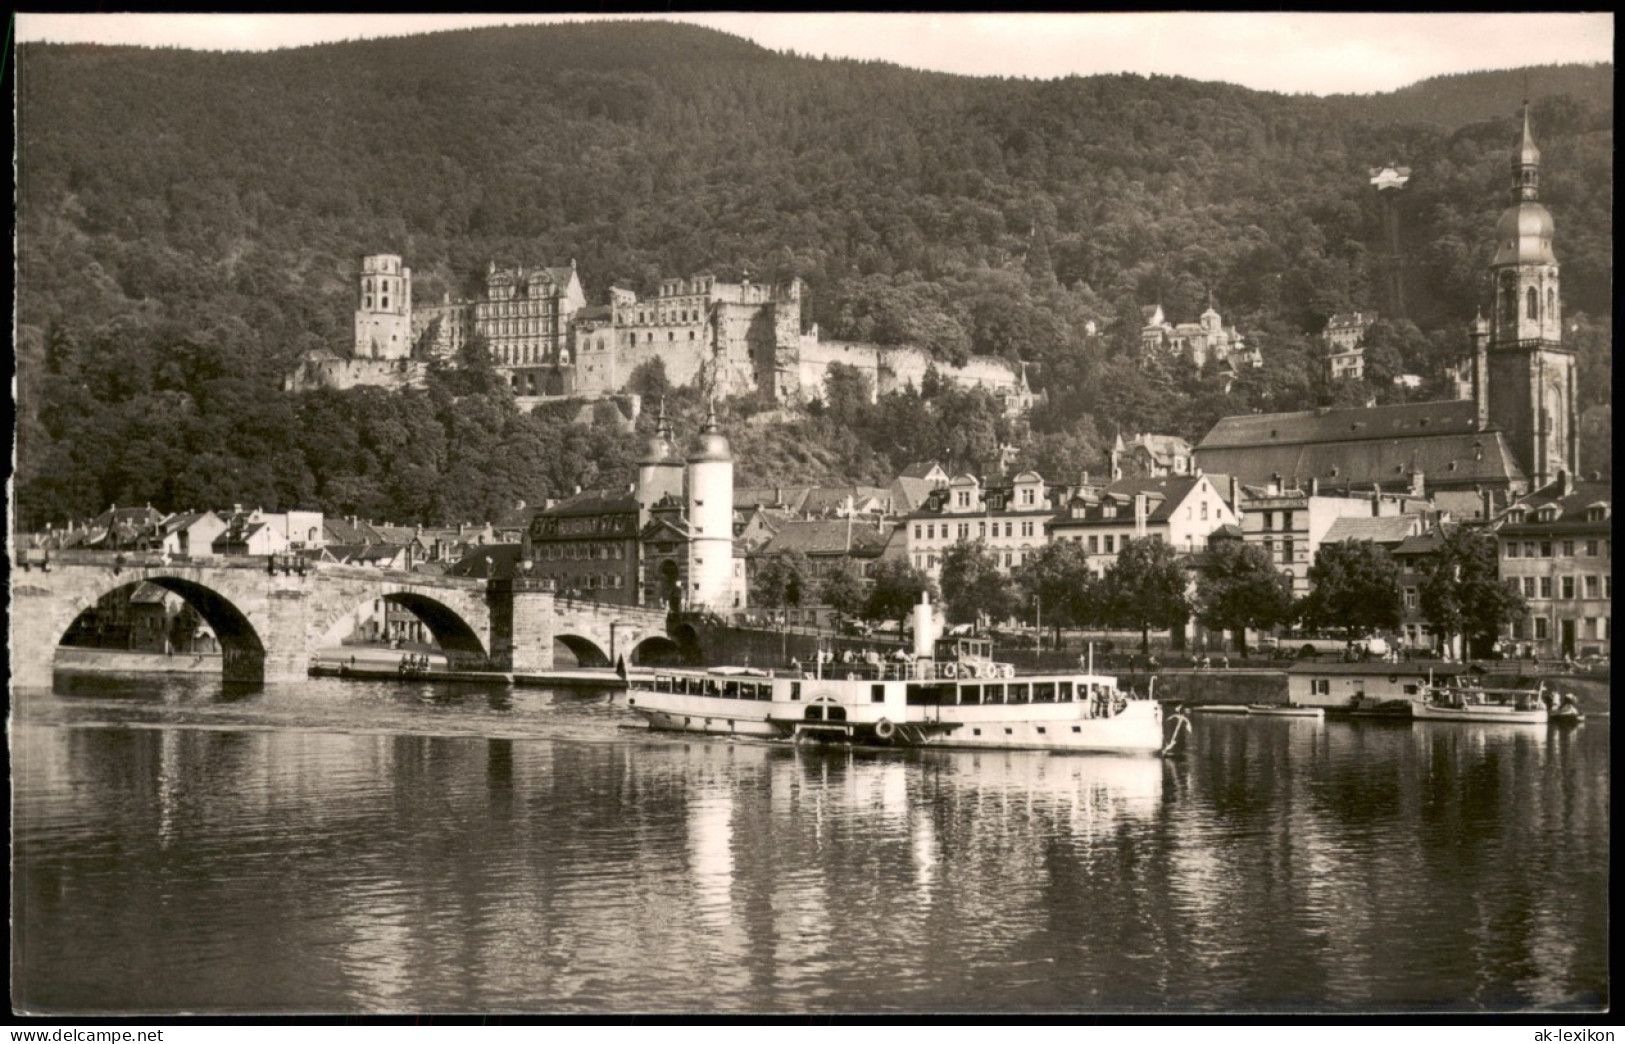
{"x": 925, "y": 629}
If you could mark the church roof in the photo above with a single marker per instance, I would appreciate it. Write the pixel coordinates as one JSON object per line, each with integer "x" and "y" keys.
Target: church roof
{"x": 1378, "y": 445}
{"x": 1387, "y": 529}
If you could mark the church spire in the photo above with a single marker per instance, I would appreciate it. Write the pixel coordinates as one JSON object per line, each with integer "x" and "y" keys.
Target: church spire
{"x": 1526, "y": 164}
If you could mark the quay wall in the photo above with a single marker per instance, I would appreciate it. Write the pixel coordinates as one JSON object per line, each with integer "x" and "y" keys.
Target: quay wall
{"x": 71, "y": 658}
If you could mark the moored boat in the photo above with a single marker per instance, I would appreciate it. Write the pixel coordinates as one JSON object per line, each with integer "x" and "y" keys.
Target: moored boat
{"x": 1285, "y": 710}
{"x": 1474, "y": 703}
{"x": 1221, "y": 708}
{"x": 948, "y": 693}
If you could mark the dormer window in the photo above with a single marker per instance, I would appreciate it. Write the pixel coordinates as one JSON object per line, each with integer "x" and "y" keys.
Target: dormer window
{"x": 1547, "y": 514}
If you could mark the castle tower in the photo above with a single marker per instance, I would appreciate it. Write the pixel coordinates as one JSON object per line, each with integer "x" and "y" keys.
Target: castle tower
{"x": 660, "y": 469}
{"x": 710, "y": 518}
{"x": 1531, "y": 375}
{"x": 383, "y": 315}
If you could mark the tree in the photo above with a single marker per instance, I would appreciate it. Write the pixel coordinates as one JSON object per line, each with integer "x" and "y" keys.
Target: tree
{"x": 1355, "y": 586}
{"x": 1241, "y": 588}
{"x": 782, "y": 580}
{"x": 897, "y": 589}
{"x": 1147, "y": 587}
{"x": 842, "y": 591}
{"x": 1058, "y": 577}
{"x": 1462, "y": 593}
{"x": 972, "y": 585}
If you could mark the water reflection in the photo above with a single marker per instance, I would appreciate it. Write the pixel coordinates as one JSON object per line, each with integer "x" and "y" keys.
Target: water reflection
{"x": 286, "y": 853}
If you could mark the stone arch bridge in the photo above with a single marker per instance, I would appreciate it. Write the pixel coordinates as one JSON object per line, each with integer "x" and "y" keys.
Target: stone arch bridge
{"x": 271, "y": 615}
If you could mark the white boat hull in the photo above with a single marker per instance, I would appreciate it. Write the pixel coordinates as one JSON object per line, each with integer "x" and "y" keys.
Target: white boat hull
{"x": 1316, "y": 713}
{"x": 1489, "y": 712}
{"x": 1062, "y": 726}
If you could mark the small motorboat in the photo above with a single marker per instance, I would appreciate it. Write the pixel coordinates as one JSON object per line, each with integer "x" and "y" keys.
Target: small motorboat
{"x": 1221, "y": 708}
{"x": 1285, "y": 710}
{"x": 1567, "y": 712}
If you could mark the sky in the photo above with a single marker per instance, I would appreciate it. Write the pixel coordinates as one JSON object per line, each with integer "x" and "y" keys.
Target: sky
{"x": 1315, "y": 53}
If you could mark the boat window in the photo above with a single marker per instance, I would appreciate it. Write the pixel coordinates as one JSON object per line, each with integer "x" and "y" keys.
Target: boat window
{"x": 795, "y": 690}
{"x": 877, "y": 694}
{"x": 814, "y": 713}
{"x": 1017, "y": 693}
{"x": 730, "y": 689}
{"x": 1065, "y": 691}
{"x": 662, "y": 683}
{"x": 930, "y": 695}
{"x": 970, "y": 695}
{"x": 711, "y": 687}
{"x": 837, "y": 714}
{"x": 1044, "y": 692}
{"x": 992, "y": 694}
{"x": 764, "y": 690}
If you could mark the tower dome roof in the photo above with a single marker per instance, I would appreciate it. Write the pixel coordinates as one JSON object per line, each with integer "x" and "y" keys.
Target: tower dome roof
{"x": 661, "y": 447}
{"x": 710, "y": 444}
{"x": 1524, "y": 234}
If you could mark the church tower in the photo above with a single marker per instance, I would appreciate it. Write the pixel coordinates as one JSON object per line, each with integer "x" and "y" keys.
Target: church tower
{"x": 1531, "y": 375}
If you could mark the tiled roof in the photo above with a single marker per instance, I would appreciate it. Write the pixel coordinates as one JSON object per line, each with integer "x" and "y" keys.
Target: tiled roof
{"x": 919, "y": 470}
{"x": 183, "y": 520}
{"x": 826, "y": 537}
{"x": 594, "y": 502}
{"x": 1342, "y": 425}
{"x": 492, "y": 560}
{"x": 827, "y": 499}
{"x": 1362, "y": 447}
{"x": 1571, "y": 507}
{"x": 1165, "y": 495}
{"x": 1388, "y": 529}
{"x": 788, "y": 497}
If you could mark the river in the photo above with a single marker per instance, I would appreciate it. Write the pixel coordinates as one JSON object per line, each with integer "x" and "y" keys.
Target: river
{"x": 338, "y": 847}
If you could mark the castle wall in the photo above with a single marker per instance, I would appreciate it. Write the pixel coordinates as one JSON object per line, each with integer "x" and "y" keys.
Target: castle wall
{"x": 317, "y": 371}
{"x": 894, "y": 369}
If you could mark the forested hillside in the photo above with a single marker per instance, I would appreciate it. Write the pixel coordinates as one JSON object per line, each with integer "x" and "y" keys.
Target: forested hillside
{"x": 189, "y": 223}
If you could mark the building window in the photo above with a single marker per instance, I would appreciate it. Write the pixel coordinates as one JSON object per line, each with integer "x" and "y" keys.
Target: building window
{"x": 1109, "y": 540}
{"x": 1026, "y": 529}
{"x": 1529, "y": 587}
{"x": 1269, "y": 520}
{"x": 1008, "y": 526}
{"x": 1545, "y": 587}
{"x": 1094, "y": 545}
{"x": 1545, "y": 549}
{"x": 1591, "y": 548}
{"x": 1410, "y": 598}
{"x": 1204, "y": 511}
{"x": 931, "y": 531}
{"x": 1533, "y": 309}
{"x": 1007, "y": 560}
{"x": 1591, "y": 627}
{"x": 1592, "y": 586}
{"x": 1541, "y": 628}
{"x": 1529, "y": 549}
{"x": 1568, "y": 549}
{"x": 981, "y": 530}
{"x": 1027, "y": 496}
{"x": 1511, "y": 549}
{"x": 964, "y": 530}
{"x": 1286, "y": 520}
{"x": 1568, "y": 587}
{"x": 918, "y": 531}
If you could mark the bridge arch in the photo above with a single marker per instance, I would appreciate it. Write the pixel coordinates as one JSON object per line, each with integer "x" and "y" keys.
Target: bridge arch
{"x": 457, "y": 638}
{"x": 584, "y": 651}
{"x": 656, "y": 651}
{"x": 242, "y": 649}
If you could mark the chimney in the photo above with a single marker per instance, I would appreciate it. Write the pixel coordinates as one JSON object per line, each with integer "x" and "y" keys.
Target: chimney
{"x": 1565, "y": 482}
{"x": 1481, "y": 372}
{"x": 1314, "y": 487}
{"x": 1275, "y": 484}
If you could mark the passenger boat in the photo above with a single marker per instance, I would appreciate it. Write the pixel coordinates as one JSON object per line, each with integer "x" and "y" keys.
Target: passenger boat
{"x": 1285, "y": 710}
{"x": 949, "y": 693}
{"x": 1472, "y": 703}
